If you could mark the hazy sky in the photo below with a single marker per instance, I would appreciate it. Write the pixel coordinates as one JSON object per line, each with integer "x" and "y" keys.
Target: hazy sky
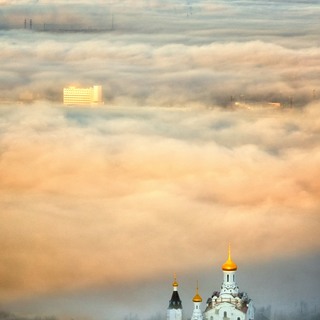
{"x": 99, "y": 207}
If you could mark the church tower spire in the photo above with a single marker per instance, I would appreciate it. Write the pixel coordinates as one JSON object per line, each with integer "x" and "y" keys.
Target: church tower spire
{"x": 229, "y": 265}
{"x": 174, "y": 311}
{"x": 197, "y": 314}
{"x": 229, "y": 286}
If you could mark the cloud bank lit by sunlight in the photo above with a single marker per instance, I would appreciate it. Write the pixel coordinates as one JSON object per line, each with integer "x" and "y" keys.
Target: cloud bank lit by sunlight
{"x": 87, "y": 191}
{"x": 160, "y": 57}
{"x": 99, "y": 207}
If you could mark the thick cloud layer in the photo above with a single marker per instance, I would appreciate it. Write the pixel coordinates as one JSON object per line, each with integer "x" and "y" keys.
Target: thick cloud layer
{"x": 160, "y": 74}
{"x": 186, "y": 55}
{"x": 100, "y": 206}
{"x": 104, "y": 197}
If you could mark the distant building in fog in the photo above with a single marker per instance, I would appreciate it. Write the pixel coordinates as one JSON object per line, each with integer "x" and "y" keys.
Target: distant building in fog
{"x": 257, "y": 105}
{"x": 82, "y": 96}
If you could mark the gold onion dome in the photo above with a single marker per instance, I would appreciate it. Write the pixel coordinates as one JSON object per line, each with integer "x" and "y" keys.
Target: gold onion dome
{"x": 197, "y": 297}
{"x": 229, "y": 265}
{"x": 175, "y": 283}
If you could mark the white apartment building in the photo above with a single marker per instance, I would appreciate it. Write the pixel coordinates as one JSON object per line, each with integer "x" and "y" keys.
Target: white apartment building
{"x": 82, "y": 96}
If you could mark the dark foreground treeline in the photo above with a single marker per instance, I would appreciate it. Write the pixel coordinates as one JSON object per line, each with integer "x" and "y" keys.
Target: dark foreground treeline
{"x": 301, "y": 313}
{"x": 261, "y": 314}
{"x": 282, "y": 316}
{"x": 11, "y": 316}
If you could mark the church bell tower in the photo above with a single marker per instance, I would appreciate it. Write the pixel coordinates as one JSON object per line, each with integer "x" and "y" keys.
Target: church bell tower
{"x": 197, "y": 313}
{"x": 174, "y": 311}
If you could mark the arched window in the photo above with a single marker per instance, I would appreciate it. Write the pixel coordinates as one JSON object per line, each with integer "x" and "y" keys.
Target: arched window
{"x": 227, "y": 277}
{"x": 238, "y": 318}
{"x": 233, "y": 278}
{"x": 225, "y": 314}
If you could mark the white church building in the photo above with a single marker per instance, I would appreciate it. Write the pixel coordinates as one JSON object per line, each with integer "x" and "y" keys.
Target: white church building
{"x": 227, "y": 304}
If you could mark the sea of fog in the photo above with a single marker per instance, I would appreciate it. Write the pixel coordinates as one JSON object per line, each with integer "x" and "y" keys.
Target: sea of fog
{"x": 101, "y": 206}
{"x": 162, "y": 53}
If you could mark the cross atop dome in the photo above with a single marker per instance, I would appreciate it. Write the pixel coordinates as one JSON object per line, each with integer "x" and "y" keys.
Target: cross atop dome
{"x": 175, "y": 283}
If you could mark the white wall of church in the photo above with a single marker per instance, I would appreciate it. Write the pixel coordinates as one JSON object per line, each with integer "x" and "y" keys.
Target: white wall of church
{"x": 174, "y": 314}
{"x": 225, "y": 312}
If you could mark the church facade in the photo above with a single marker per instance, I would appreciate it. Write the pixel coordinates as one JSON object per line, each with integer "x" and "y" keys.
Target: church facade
{"x": 229, "y": 303}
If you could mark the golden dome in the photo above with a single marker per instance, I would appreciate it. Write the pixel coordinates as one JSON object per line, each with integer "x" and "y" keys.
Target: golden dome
{"x": 229, "y": 265}
{"x": 197, "y": 297}
{"x": 175, "y": 283}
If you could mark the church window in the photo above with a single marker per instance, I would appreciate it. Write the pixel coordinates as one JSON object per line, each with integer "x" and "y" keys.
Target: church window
{"x": 225, "y": 314}
{"x": 233, "y": 278}
{"x": 227, "y": 277}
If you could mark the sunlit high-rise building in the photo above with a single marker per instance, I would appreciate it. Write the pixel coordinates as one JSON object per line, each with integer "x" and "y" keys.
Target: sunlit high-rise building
{"x": 82, "y": 96}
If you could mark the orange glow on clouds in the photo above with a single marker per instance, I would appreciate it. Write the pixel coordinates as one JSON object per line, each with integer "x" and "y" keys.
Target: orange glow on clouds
{"x": 118, "y": 200}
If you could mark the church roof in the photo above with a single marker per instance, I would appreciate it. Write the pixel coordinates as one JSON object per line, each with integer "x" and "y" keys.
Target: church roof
{"x": 175, "y": 302}
{"x": 175, "y": 282}
{"x": 229, "y": 265}
{"x": 197, "y": 297}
